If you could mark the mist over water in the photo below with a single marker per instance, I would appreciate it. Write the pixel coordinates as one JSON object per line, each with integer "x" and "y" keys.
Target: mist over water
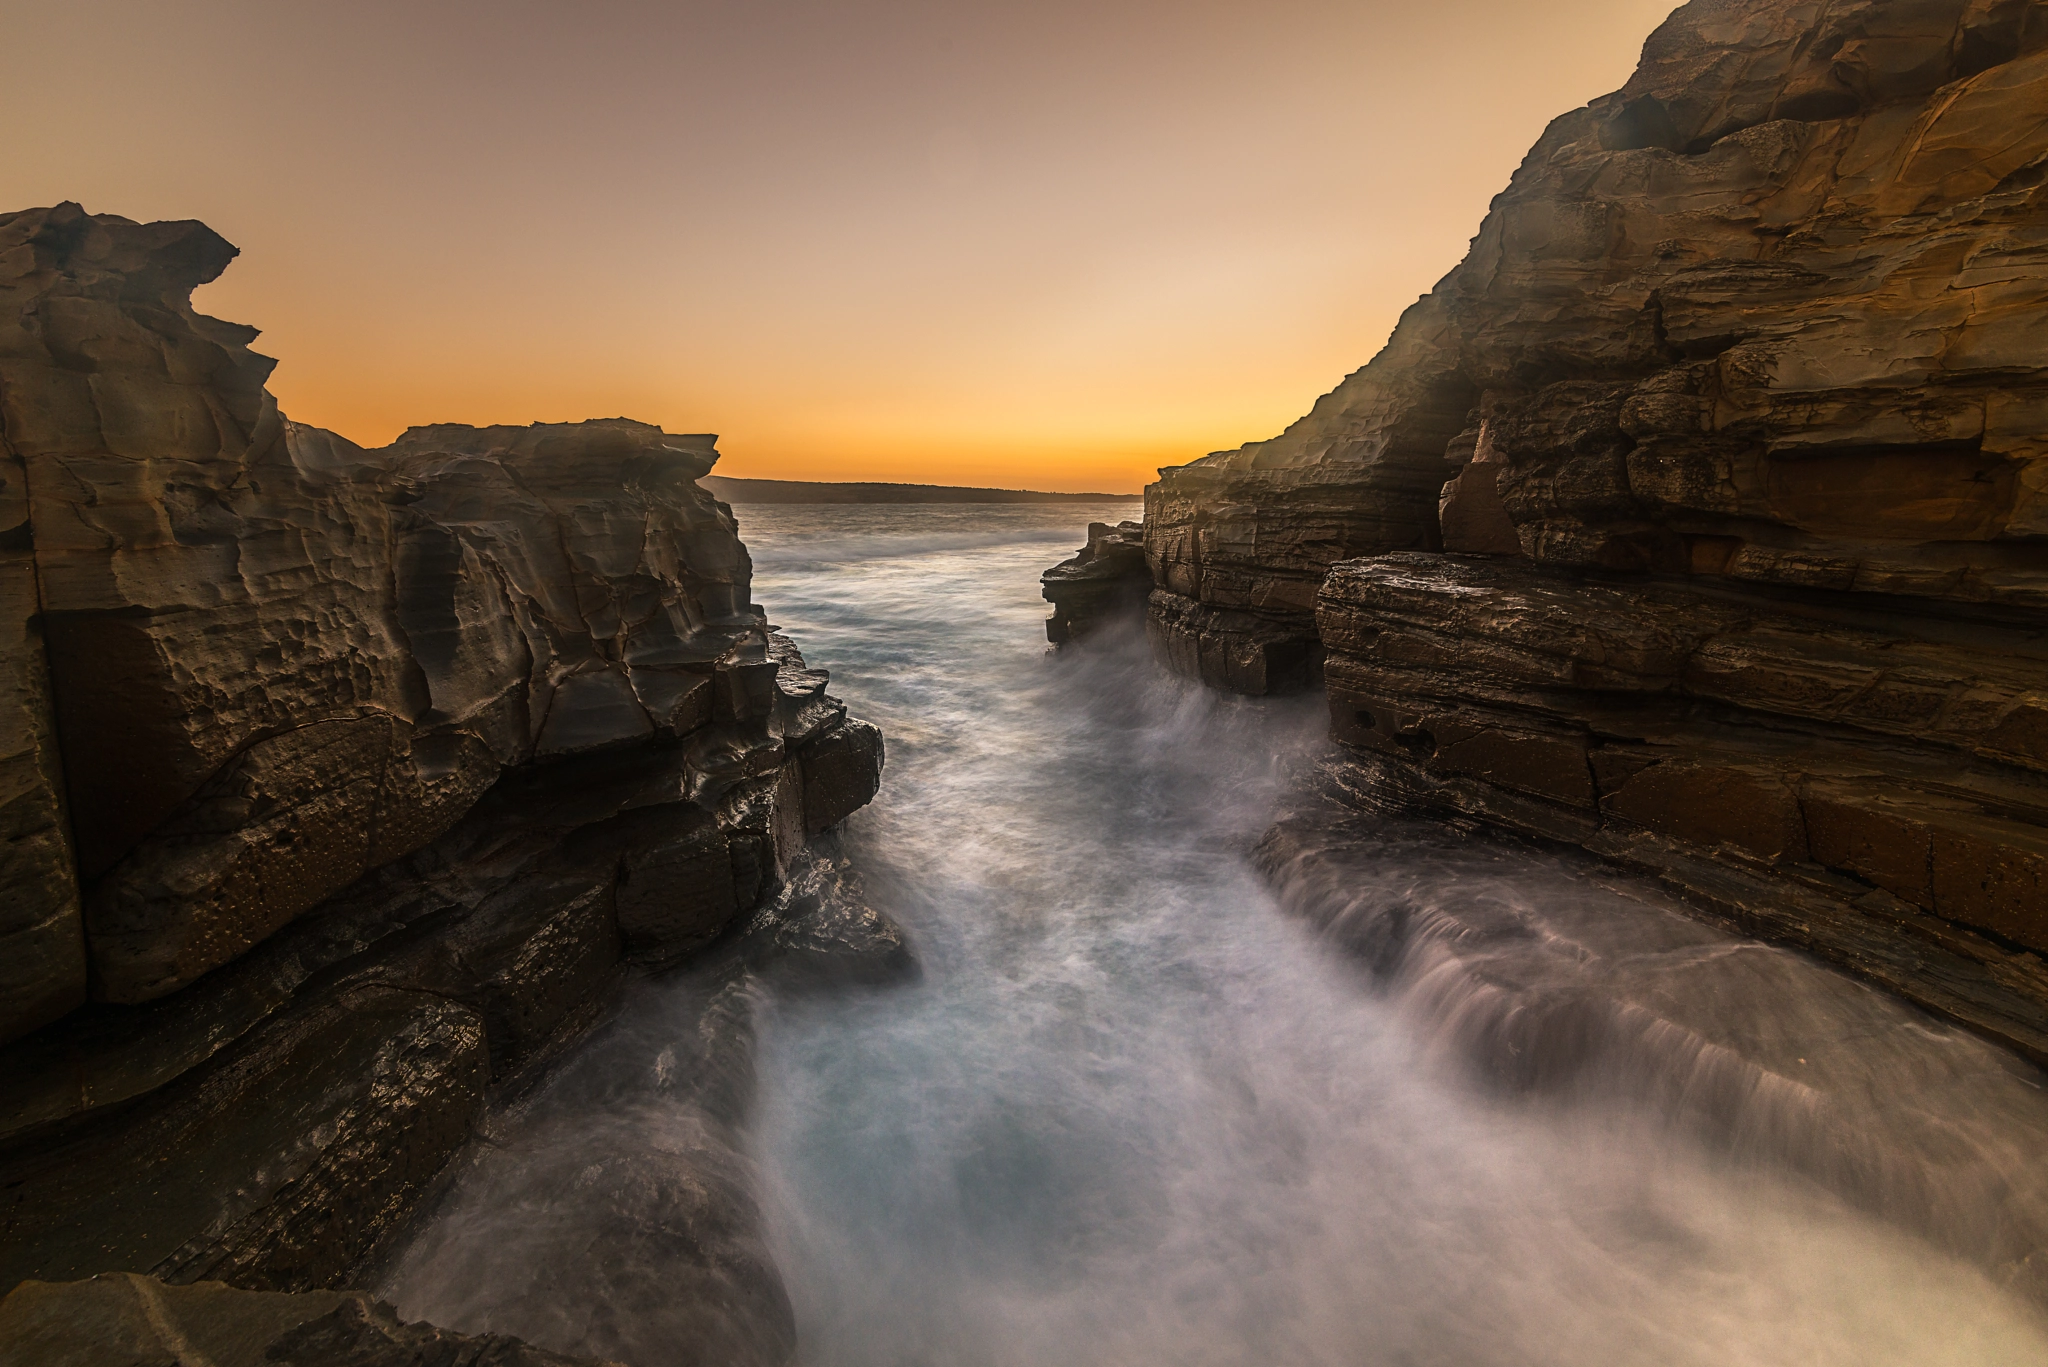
{"x": 1136, "y": 1112}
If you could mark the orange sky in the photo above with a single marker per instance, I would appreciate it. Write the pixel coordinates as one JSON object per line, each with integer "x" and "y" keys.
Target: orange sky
{"x": 1048, "y": 245}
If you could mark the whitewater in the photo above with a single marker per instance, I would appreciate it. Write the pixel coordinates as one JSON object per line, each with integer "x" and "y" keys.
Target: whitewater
{"x": 1137, "y": 1107}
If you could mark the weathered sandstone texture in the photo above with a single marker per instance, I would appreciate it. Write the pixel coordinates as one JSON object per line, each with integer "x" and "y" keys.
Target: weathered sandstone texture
{"x": 1863, "y": 783}
{"x": 1770, "y": 313}
{"x": 1742, "y": 393}
{"x": 1105, "y": 579}
{"x": 340, "y": 781}
{"x": 123, "y": 1320}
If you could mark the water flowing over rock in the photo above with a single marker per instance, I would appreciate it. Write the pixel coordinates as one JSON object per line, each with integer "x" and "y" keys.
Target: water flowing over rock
{"x": 1739, "y": 570}
{"x": 341, "y": 781}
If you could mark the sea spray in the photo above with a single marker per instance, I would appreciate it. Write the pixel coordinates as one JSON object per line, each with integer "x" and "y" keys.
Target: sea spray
{"x": 1151, "y": 1104}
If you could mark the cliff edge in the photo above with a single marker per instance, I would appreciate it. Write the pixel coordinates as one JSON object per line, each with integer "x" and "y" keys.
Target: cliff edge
{"x": 339, "y": 783}
{"x": 1698, "y": 516}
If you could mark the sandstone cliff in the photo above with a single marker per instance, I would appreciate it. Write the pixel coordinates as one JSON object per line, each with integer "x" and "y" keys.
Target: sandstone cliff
{"x": 337, "y": 780}
{"x": 1105, "y": 579}
{"x": 1736, "y": 416}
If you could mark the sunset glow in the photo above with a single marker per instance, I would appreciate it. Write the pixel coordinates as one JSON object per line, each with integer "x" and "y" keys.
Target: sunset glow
{"x": 1048, "y": 246}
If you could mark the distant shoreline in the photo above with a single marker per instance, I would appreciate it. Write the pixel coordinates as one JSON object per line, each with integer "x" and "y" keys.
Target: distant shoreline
{"x": 805, "y": 491}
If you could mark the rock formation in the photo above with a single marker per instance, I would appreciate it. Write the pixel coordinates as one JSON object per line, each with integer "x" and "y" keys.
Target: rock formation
{"x": 1742, "y": 393}
{"x": 122, "y": 1320}
{"x": 1106, "y": 578}
{"x": 338, "y": 781}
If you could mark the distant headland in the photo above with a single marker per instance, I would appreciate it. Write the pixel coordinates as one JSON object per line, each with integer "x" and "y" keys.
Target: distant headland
{"x": 802, "y": 491}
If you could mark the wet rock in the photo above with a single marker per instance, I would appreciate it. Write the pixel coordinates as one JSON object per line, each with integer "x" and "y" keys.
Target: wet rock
{"x": 685, "y": 1277}
{"x": 635, "y": 1147}
{"x": 1864, "y": 784}
{"x": 42, "y": 934}
{"x": 1543, "y": 977}
{"x": 842, "y": 771}
{"x": 823, "y": 932}
{"x": 1760, "y": 317}
{"x": 276, "y": 1167}
{"x": 380, "y": 765}
{"x": 123, "y": 1320}
{"x": 1107, "y": 578}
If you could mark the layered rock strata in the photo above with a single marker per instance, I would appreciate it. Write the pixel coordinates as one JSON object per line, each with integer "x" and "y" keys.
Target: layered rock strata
{"x": 1106, "y": 579}
{"x": 341, "y": 781}
{"x": 1770, "y": 314}
{"x": 1739, "y": 571}
{"x": 1867, "y": 784}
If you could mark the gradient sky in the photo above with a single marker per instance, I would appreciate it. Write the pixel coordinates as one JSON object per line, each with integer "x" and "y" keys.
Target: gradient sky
{"x": 1049, "y": 245}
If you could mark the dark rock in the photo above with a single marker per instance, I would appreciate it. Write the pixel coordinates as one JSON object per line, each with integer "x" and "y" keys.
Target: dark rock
{"x": 379, "y": 763}
{"x": 1244, "y": 652}
{"x": 275, "y": 1167}
{"x": 676, "y": 891}
{"x": 1863, "y": 784}
{"x": 123, "y": 1320}
{"x": 42, "y": 935}
{"x": 1106, "y": 579}
{"x": 823, "y": 932}
{"x": 611, "y": 1210}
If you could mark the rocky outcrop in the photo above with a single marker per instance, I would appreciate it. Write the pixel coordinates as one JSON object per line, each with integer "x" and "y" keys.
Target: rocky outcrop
{"x": 1866, "y": 784}
{"x": 1105, "y": 579}
{"x": 122, "y": 1320}
{"x": 341, "y": 781}
{"x": 1738, "y": 576}
{"x": 1769, "y": 314}
{"x": 609, "y": 1208}
{"x": 1239, "y": 542}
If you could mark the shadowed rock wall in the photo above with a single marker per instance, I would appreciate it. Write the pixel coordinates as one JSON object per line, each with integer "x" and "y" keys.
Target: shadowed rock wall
{"x": 338, "y": 780}
{"x": 1735, "y": 419}
{"x": 122, "y": 1320}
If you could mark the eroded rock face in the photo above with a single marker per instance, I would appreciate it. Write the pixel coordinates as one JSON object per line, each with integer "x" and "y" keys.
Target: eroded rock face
{"x": 1770, "y": 314}
{"x": 1865, "y": 784}
{"x": 1106, "y": 578}
{"x": 343, "y": 781}
{"x": 1742, "y": 396}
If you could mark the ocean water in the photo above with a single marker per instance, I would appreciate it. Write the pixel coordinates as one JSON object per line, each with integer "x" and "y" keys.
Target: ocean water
{"x": 1138, "y": 1110}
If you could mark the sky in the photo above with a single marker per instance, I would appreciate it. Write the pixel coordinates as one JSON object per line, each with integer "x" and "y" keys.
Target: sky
{"x": 1048, "y": 245}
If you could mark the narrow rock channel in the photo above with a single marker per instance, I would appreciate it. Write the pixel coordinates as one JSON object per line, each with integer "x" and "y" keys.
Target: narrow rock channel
{"x": 1145, "y": 1103}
